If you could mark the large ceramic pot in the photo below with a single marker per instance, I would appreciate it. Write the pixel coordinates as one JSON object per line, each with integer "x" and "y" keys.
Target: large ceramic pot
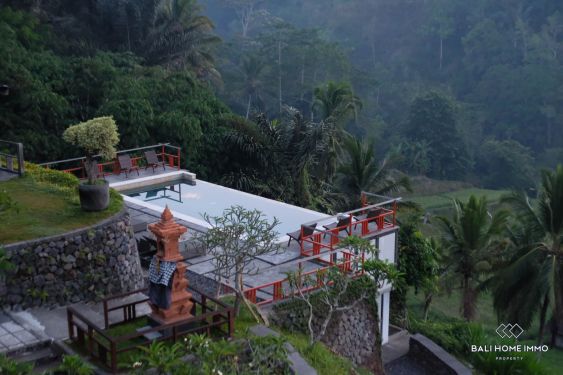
{"x": 94, "y": 197}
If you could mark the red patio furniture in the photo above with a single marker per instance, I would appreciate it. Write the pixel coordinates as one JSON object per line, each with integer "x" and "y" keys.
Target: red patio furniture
{"x": 152, "y": 160}
{"x": 126, "y": 165}
{"x": 306, "y": 230}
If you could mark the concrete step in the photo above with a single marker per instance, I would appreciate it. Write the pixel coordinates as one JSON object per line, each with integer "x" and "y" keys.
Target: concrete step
{"x": 91, "y": 313}
{"x": 42, "y": 359}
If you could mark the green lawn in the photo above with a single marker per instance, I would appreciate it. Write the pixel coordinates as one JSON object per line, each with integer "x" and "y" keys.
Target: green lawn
{"x": 444, "y": 200}
{"x": 446, "y": 308}
{"x": 45, "y": 211}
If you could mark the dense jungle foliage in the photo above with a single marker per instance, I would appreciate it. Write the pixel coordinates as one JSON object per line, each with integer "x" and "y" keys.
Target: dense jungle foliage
{"x": 447, "y": 89}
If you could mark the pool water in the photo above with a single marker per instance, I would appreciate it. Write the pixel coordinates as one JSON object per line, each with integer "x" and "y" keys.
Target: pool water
{"x": 212, "y": 199}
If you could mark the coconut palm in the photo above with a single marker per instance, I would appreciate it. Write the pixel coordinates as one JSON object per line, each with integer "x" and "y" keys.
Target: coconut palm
{"x": 335, "y": 102}
{"x": 181, "y": 36}
{"x": 532, "y": 281}
{"x": 469, "y": 240}
{"x": 359, "y": 170}
{"x": 275, "y": 158}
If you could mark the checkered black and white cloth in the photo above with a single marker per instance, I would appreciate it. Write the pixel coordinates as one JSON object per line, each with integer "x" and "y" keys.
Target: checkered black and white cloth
{"x": 160, "y": 272}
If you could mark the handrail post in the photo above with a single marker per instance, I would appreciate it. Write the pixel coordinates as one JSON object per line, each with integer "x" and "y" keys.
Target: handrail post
{"x": 106, "y": 314}
{"x": 302, "y": 241}
{"x": 394, "y": 213}
{"x": 231, "y": 322}
{"x": 113, "y": 357}
{"x": 82, "y": 171}
{"x": 178, "y": 151}
{"x": 69, "y": 322}
{"x": 20, "y": 159}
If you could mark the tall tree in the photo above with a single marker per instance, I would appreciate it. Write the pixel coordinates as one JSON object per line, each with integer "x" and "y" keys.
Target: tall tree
{"x": 532, "y": 281}
{"x": 359, "y": 170}
{"x": 336, "y": 101}
{"x": 180, "y": 36}
{"x": 235, "y": 239}
{"x": 469, "y": 239}
{"x": 276, "y": 158}
{"x": 252, "y": 68}
{"x": 432, "y": 119}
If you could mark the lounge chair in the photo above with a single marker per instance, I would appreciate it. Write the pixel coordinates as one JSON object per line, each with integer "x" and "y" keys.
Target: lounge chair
{"x": 371, "y": 214}
{"x": 152, "y": 160}
{"x": 307, "y": 231}
{"x": 126, "y": 165}
{"x": 342, "y": 223}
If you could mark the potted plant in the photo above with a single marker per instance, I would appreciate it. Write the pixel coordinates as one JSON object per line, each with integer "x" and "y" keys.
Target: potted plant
{"x": 97, "y": 136}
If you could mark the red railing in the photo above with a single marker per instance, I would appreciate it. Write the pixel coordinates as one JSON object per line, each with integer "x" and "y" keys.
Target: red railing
{"x": 280, "y": 289}
{"x": 314, "y": 243}
{"x": 319, "y": 248}
{"x": 167, "y": 154}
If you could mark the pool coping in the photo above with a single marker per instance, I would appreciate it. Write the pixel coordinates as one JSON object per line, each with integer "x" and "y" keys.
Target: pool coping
{"x": 190, "y": 178}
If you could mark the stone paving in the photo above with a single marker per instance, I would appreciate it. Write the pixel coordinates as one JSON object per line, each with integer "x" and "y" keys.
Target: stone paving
{"x": 6, "y": 175}
{"x": 14, "y": 336}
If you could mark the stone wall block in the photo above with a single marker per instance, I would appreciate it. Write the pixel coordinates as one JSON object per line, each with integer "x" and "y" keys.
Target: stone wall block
{"x": 78, "y": 266}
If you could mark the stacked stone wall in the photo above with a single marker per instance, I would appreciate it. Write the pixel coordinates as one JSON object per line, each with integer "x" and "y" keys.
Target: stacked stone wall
{"x": 353, "y": 333}
{"x": 82, "y": 265}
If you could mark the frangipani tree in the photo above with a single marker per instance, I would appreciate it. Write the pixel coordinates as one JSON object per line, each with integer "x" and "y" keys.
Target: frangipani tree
{"x": 98, "y": 136}
{"x": 236, "y": 239}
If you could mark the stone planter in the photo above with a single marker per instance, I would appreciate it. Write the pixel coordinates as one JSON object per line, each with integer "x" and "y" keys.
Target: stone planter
{"x": 94, "y": 197}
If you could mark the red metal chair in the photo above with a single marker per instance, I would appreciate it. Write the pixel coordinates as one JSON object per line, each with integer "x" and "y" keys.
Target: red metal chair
{"x": 126, "y": 165}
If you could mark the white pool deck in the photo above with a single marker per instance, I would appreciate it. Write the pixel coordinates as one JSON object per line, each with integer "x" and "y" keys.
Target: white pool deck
{"x": 266, "y": 269}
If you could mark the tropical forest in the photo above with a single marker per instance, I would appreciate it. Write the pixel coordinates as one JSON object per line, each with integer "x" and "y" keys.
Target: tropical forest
{"x": 455, "y": 106}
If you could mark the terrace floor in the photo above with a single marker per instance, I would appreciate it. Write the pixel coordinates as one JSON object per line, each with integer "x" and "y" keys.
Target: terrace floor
{"x": 6, "y": 175}
{"x": 111, "y": 178}
{"x": 264, "y": 269}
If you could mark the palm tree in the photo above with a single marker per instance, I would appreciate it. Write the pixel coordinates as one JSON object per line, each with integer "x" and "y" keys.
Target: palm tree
{"x": 180, "y": 36}
{"x": 360, "y": 171}
{"x": 469, "y": 239}
{"x": 335, "y": 102}
{"x": 532, "y": 281}
{"x": 275, "y": 158}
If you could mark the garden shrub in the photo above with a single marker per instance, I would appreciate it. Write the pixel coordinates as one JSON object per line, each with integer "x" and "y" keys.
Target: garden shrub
{"x": 65, "y": 183}
{"x": 74, "y": 365}
{"x": 10, "y": 367}
{"x": 203, "y": 356}
{"x": 54, "y": 178}
{"x": 452, "y": 336}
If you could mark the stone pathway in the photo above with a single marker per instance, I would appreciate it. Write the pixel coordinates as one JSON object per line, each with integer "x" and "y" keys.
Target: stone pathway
{"x": 6, "y": 175}
{"x": 396, "y": 347}
{"x": 17, "y": 337}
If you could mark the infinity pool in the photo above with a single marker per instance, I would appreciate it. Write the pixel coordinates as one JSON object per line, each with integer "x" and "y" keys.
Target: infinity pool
{"x": 204, "y": 197}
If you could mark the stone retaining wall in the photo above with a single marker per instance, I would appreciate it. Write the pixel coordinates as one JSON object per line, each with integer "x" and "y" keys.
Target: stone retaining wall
{"x": 82, "y": 265}
{"x": 353, "y": 334}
